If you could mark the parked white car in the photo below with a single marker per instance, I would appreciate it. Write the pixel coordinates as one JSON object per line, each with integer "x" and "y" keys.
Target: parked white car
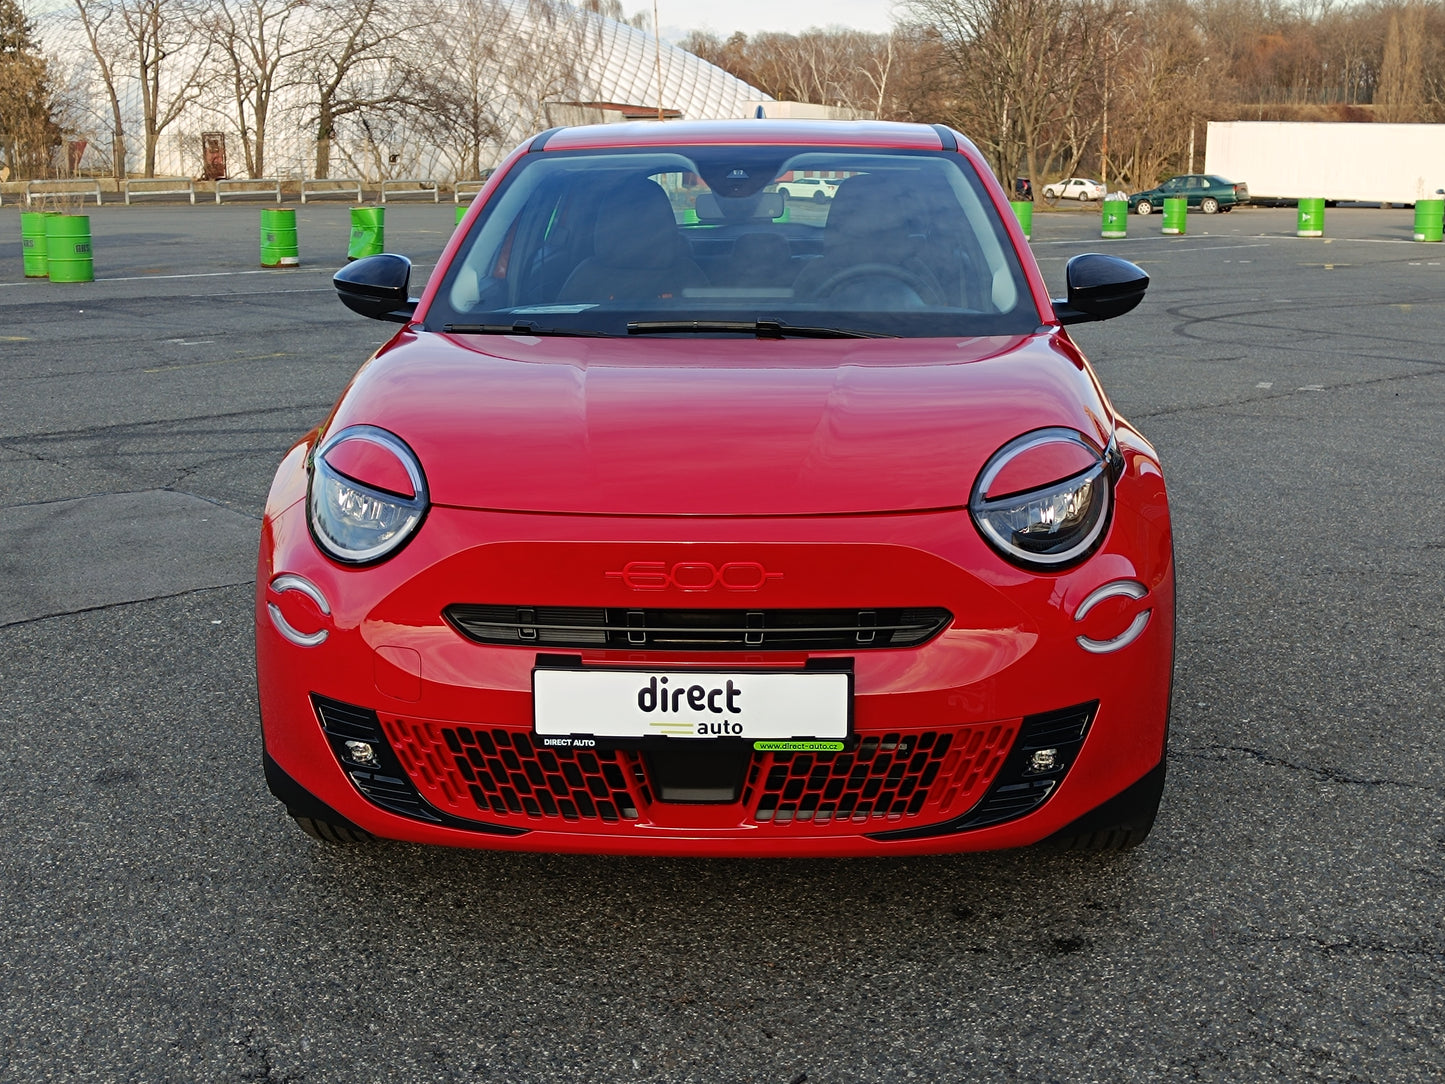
{"x": 1079, "y": 188}
{"x": 816, "y": 189}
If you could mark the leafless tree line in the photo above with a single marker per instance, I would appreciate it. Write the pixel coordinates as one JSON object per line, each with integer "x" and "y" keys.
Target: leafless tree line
{"x": 1114, "y": 87}
{"x": 364, "y": 77}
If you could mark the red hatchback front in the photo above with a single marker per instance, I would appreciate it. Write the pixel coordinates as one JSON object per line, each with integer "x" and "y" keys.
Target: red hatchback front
{"x": 683, "y": 518}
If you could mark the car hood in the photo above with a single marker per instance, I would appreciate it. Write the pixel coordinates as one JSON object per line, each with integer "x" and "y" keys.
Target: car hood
{"x": 708, "y": 426}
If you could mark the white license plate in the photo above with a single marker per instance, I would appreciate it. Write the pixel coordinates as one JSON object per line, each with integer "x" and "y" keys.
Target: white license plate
{"x": 754, "y": 706}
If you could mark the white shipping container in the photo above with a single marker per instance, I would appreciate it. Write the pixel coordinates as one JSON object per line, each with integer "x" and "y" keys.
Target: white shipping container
{"x": 1386, "y": 163}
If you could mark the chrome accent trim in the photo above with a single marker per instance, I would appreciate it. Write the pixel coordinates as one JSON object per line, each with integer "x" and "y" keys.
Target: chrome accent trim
{"x": 1124, "y": 639}
{"x": 1105, "y": 468}
{"x": 284, "y": 627}
{"x": 289, "y": 581}
{"x": 1116, "y": 589}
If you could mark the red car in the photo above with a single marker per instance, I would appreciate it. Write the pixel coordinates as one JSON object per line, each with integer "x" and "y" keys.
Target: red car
{"x": 675, "y": 520}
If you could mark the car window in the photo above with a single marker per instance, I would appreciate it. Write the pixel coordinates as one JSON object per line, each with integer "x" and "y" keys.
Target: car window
{"x": 598, "y": 242}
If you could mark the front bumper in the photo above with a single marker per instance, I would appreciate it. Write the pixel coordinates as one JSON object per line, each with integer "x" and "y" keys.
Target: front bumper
{"x": 943, "y": 732}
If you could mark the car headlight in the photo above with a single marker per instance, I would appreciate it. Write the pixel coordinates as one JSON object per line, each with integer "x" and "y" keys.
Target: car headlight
{"x": 1043, "y": 500}
{"x": 367, "y": 495}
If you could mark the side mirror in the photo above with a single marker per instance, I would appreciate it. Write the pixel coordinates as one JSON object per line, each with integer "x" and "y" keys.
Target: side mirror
{"x": 1100, "y": 288}
{"x": 377, "y": 287}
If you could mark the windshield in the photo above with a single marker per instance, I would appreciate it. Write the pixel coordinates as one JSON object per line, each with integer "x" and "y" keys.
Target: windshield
{"x": 722, "y": 240}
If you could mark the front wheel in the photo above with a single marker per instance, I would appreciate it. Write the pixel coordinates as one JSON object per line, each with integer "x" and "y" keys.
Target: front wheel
{"x": 819, "y": 197}
{"x": 1051, "y": 198}
{"x": 1144, "y": 207}
{"x": 1209, "y": 205}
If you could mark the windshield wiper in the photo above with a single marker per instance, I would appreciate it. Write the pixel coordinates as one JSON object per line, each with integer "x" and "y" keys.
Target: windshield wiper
{"x": 520, "y": 328}
{"x": 763, "y": 329}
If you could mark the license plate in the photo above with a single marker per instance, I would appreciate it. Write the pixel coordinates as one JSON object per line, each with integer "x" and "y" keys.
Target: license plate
{"x": 686, "y": 704}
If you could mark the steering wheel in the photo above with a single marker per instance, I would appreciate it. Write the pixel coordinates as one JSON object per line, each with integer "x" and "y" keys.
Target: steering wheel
{"x": 831, "y": 285}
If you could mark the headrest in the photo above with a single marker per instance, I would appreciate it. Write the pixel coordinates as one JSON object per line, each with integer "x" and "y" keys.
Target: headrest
{"x": 635, "y": 226}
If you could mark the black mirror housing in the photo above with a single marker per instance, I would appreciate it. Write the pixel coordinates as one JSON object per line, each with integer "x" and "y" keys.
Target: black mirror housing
{"x": 1100, "y": 288}
{"x": 377, "y": 287}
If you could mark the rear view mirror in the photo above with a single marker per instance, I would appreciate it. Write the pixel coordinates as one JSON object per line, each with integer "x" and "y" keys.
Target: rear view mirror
{"x": 377, "y": 287}
{"x": 763, "y": 205}
{"x": 1100, "y": 288}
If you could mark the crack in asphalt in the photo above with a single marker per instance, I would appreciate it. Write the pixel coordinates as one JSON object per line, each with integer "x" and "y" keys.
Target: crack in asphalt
{"x": 171, "y": 487}
{"x": 128, "y": 602}
{"x": 1349, "y": 946}
{"x": 1328, "y": 775}
{"x": 15, "y": 439}
{"x": 1434, "y": 370}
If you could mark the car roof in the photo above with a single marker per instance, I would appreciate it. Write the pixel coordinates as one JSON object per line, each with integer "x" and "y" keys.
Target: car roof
{"x": 758, "y": 132}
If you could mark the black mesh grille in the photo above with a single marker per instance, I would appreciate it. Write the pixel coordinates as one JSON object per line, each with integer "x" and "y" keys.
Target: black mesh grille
{"x": 887, "y": 776}
{"x": 698, "y": 630}
{"x": 507, "y": 774}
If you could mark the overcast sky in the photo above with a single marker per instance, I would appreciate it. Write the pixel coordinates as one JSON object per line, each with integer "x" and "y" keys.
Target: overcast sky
{"x": 750, "y": 16}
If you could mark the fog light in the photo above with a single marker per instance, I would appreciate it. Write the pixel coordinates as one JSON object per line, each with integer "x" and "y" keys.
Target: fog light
{"x": 1045, "y": 760}
{"x": 362, "y": 753}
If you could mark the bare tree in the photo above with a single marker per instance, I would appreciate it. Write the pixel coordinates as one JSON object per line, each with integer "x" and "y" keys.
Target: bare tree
{"x": 168, "y": 57}
{"x": 1401, "y": 97}
{"x": 363, "y": 63}
{"x": 510, "y": 71}
{"x": 255, "y": 49}
{"x": 99, "y": 20}
{"x": 148, "y": 45}
{"x": 1011, "y": 62}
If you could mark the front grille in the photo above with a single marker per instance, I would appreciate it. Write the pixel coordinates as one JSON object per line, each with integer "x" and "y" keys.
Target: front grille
{"x": 924, "y": 776}
{"x": 505, "y": 773}
{"x": 698, "y": 630}
{"x": 891, "y": 777}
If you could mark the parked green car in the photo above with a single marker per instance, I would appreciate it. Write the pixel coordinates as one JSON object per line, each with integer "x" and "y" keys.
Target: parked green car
{"x": 1205, "y": 191}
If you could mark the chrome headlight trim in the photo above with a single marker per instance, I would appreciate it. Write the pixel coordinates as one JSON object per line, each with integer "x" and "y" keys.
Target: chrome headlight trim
{"x": 338, "y": 507}
{"x": 1085, "y": 498}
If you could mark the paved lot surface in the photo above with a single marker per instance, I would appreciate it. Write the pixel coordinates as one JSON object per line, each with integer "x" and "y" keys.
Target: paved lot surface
{"x": 163, "y": 920}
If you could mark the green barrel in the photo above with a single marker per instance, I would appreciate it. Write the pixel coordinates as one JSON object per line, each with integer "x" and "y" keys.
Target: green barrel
{"x": 1311, "y": 218}
{"x": 461, "y": 213}
{"x": 1116, "y": 218}
{"x": 368, "y": 232}
{"x": 32, "y": 243}
{"x": 67, "y": 248}
{"x": 1024, "y": 211}
{"x": 1429, "y": 219}
{"x": 278, "y": 238}
{"x": 1176, "y": 214}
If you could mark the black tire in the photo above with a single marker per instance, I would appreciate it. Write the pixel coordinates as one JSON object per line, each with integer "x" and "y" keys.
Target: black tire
{"x": 1209, "y": 205}
{"x": 336, "y": 834}
{"x": 1120, "y": 824}
{"x": 1051, "y": 198}
{"x": 820, "y": 196}
{"x": 1144, "y": 207}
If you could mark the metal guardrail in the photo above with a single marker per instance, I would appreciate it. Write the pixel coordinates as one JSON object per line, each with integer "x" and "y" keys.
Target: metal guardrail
{"x": 179, "y": 186}
{"x": 321, "y": 187}
{"x": 71, "y": 187}
{"x": 249, "y": 186}
{"x": 471, "y": 188}
{"x": 418, "y": 186}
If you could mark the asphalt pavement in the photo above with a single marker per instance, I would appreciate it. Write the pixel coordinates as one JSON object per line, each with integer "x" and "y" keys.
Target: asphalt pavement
{"x": 163, "y": 920}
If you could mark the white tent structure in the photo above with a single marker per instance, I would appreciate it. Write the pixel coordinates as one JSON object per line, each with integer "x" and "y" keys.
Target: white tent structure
{"x": 464, "y": 83}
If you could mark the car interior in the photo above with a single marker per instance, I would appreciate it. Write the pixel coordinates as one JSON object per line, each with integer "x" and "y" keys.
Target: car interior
{"x": 644, "y": 234}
